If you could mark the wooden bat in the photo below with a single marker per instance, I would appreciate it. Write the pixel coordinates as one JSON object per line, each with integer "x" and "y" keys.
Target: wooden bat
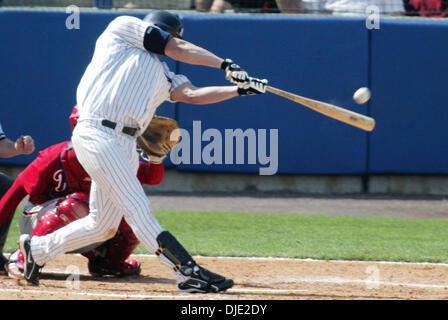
{"x": 332, "y": 111}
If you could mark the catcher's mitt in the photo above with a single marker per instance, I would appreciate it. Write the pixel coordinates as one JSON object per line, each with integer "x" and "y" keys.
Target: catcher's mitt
{"x": 161, "y": 135}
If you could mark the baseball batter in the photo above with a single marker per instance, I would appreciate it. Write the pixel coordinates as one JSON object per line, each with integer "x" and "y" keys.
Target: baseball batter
{"x": 117, "y": 96}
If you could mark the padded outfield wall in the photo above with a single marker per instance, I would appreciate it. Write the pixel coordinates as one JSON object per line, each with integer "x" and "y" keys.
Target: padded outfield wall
{"x": 324, "y": 58}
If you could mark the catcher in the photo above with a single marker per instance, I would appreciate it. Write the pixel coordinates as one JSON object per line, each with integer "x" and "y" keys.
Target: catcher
{"x": 59, "y": 194}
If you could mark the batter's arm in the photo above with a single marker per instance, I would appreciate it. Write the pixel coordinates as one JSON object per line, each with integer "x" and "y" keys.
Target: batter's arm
{"x": 188, "y": 93}
{"x": 136, "y": 32}
{"x": 184, "y": 51}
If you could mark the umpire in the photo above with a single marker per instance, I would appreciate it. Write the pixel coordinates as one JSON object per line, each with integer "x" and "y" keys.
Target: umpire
{"x": 8, "y": 149}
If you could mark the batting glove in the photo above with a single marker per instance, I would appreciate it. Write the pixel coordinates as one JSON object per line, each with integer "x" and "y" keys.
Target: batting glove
{"x": 234, "y": 73}
{"x": 255, "y": 86}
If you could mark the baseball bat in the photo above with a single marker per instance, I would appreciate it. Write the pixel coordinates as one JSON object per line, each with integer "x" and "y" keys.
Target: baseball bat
{"x": 332, "y": 111}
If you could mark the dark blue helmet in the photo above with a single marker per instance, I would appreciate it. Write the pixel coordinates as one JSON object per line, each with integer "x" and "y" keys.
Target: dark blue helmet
{"x": 166, "y": 21}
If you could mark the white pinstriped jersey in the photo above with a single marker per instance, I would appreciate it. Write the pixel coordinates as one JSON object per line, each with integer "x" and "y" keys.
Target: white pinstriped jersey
{"x": 124, "y": 82}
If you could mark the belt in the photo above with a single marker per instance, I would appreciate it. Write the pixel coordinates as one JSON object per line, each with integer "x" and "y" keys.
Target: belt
{"x": 126, "y": 130}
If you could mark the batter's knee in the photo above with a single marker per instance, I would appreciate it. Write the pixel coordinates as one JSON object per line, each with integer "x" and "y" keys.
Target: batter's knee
{"x": 98, "y": 230}
{"x": 110, "y": 233}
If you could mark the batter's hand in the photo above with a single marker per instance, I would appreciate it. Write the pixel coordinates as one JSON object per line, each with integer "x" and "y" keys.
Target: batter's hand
{"x": 255, "y": 86}
{"x": 234, "y": 73}
{"x": 24, "y": 145}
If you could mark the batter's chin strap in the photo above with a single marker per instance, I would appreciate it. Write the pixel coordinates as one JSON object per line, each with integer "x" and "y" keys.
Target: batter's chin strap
{"x": 176, "y": 253}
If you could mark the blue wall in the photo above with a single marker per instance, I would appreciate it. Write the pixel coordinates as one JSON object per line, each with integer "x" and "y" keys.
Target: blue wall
{"x": 409, "y": 97}
{"x": 41, "y": 63}
{"x": 307, "y": 56}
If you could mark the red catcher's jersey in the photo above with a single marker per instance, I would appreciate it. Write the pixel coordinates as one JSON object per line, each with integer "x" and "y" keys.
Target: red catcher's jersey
{"x": 54, "y": 173}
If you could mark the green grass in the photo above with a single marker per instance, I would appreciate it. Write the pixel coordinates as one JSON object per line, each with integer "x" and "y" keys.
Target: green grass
{"x": 301, "y": 236}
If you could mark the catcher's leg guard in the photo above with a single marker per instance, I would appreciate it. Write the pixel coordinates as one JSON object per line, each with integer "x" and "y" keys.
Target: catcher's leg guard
{"x": 66, "y": 211}
{"x": 198, "y": 279}
{"x": 112, "y": 257}
{"x": 69, "y": 209}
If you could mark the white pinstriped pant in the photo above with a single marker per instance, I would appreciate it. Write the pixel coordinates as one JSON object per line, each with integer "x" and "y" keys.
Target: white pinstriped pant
{"x": 111, "y": 160}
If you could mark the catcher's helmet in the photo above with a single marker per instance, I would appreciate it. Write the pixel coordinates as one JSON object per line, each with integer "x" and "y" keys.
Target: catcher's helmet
{"x": 166, "y": 21}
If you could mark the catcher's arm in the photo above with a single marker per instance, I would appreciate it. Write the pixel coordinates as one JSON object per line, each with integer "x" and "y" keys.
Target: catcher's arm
{"x": 150, "y": 173}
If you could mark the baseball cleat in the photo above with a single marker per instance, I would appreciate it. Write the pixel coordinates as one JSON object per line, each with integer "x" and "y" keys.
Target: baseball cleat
{"x": 205, "y": 281}
{"x": 31, "y": 269}
{"x": 16, "y": 265}
{"x": 100, "y": 268}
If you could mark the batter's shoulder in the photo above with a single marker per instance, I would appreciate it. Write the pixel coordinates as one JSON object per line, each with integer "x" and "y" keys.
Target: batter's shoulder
{"x": 126, "y": 30}
{"x": 125, "y": 22}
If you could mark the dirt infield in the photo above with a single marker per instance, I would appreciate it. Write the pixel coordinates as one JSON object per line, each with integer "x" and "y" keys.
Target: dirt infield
{"x": 260, "y": 278}
{"x": 255, "y": 279}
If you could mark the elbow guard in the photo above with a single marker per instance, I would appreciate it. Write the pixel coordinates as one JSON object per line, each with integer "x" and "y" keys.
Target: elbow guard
{"x": 156, "y": 39}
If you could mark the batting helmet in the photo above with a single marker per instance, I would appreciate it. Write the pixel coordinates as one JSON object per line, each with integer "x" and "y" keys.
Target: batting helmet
{"x": 166, "y": 21}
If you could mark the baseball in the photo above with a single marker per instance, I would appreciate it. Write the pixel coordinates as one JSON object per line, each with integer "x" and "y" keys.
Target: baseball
{"x": 362, "y": 95}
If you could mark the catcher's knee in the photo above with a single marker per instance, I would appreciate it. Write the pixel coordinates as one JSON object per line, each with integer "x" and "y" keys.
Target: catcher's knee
{"x": 75, "y": 206}
{"x": 67, "y": 210}
{"x": 118, "y": 248}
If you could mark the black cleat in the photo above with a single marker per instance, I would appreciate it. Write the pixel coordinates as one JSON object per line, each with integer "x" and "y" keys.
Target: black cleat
{"x": 204, "y": 281}
{"x": 31, "y": 269}
{"x": 3, "y": 264}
